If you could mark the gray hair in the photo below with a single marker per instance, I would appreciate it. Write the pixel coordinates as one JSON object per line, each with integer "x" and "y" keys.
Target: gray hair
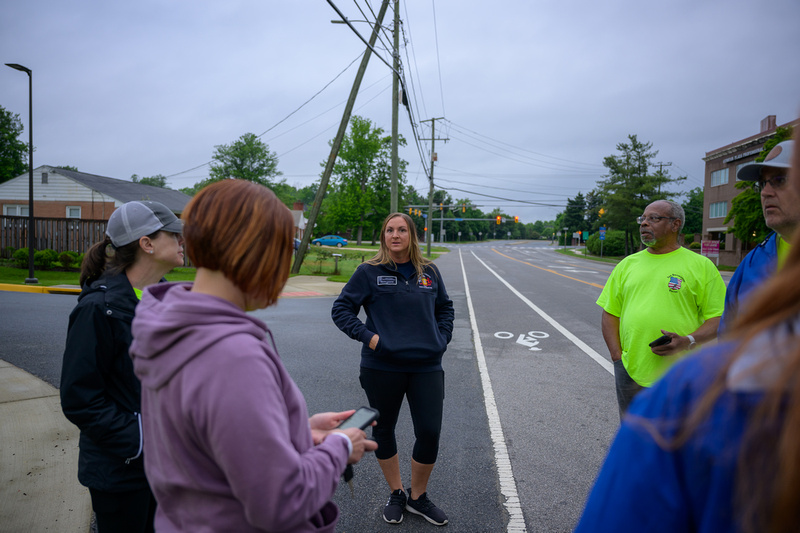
{"x": 676, "y": 211}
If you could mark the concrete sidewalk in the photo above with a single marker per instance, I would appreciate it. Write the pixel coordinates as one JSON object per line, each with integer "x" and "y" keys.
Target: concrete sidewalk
{"x": 39, "y": 489}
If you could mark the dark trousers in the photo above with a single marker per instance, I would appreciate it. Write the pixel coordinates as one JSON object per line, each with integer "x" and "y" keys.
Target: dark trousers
{"x": 627, "y": 388}
{"x": 425, "y": 394}
{"x": 124, "y": 512}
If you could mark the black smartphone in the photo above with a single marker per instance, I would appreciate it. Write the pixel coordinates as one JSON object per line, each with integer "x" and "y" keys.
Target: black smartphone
{"x": 663, "y": 339}
{"x": 362, "y": 418}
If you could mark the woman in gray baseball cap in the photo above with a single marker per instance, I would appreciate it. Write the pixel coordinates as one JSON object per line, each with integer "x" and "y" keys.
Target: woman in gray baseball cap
{"x": 99, "y": 391}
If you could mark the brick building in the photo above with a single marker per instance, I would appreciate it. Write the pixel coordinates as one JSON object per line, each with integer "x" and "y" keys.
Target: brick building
{"x": 720, "y": 187}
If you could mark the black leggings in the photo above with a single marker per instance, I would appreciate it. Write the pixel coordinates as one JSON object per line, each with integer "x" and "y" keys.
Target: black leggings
{"x": 425, "y": 394}
{"x": 124, "y": 512}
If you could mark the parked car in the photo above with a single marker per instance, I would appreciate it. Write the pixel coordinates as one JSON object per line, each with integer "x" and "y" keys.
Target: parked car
{"x": 330, "y": 240}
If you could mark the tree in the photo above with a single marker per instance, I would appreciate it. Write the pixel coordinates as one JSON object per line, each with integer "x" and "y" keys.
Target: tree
{"x": 247, "y": 158}
{"x": 629, "y": 187}
{"x": 574, "y": 216}
{"x": 746, "y": 212}
{"x": 13, "y": 152}
{"x": 156, "y": 181}
{"x": 693, "y": 206}
{"x": 68, "y": 167}
{"x": 360, "y": 179}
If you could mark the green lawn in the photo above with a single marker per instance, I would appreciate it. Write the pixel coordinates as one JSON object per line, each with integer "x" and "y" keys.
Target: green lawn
{"x": 319, "y": 262}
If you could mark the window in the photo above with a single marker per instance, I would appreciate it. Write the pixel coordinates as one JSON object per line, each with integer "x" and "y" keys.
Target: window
{"x": 44, "y": 178}
{"x": 719, "y": 177}
{"x": 718, "y": 210}
{"x": 73, "y": 211}
{"x": 15, "y": 210}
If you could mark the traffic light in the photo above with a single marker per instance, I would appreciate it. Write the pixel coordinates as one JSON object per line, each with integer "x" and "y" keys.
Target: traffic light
{"x": 601, "y": 212}
{"x": 516, "y": 220}
{"x": 498, "y": 220}
{"x": 440, "y": 207}
{"x": 410, "y": 210}
{"x": 463, "y": 208}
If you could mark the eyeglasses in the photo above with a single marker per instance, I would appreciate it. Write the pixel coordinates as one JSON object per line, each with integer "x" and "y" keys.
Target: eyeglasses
{"x": 651, "y": 219}
{"x": 777, "y": 182}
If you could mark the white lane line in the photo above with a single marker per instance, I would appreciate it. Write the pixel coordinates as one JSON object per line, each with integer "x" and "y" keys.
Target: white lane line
{"x": 508, "y": 485}
{"x": 602, "y": 361}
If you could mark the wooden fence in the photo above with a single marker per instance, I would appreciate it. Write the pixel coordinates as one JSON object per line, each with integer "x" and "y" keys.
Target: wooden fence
{"x": 59, "y": 234}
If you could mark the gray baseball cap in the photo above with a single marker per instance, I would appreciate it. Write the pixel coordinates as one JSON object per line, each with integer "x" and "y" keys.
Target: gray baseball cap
{"x": 133, "y": 220}
{"x": 779, "y": 157}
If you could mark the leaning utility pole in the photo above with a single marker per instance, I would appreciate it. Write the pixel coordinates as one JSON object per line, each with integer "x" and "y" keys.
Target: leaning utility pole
{"x": 337, "y": 142}
{"x": 429, "y": 224}
{"x": 395, "y": 104}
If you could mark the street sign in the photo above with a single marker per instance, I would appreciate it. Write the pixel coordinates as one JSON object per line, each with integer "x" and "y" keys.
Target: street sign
{"x": 602, "y": 234}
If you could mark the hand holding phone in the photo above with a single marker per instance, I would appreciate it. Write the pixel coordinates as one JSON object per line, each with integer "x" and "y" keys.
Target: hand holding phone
{"x": 361, "y": 419}
{"x": 661, "y": 341}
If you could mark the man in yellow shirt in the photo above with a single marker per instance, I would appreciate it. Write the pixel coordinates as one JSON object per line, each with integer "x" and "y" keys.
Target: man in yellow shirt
{"x": 664, "y": 289}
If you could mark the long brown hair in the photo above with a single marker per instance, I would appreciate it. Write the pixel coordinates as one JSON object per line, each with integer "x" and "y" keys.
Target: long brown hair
{"x": 767, "y": 492}
{"x": 383, "y": 257}
{"x": 104, "y": 257}
{"x": 241, "y": 229}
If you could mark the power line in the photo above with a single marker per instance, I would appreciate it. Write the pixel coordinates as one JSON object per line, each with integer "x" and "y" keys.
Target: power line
{"x": 438, "y": 61}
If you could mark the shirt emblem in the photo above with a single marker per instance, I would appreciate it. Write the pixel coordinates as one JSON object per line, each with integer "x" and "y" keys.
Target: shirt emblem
{"x": 425, "y": 282}
{"x": 387, "y": 280}
{"x": 675, "y": 283}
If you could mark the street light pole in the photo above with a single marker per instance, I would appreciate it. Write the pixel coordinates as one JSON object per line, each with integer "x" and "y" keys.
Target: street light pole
{"x": 30, "y": 279}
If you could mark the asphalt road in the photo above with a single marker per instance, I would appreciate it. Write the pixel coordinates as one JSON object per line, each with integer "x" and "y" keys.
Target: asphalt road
{"x": 537, "y": 324}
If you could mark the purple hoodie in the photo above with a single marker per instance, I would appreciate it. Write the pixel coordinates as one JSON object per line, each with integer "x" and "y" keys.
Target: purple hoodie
{"x": 226, "y": 436}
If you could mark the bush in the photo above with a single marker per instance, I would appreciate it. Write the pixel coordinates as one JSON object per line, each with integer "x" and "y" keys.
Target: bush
{"x": 68, "y": 258}
{"x": 8, "y": 252}
{"x": 695, "y": 245}
{"x": 21, "y": 257}
{"x": 614, "y": 245}
{"x": 45, "y": 258}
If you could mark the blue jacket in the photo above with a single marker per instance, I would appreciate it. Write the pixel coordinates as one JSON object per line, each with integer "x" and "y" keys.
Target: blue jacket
{"x": 412, "y": 317}
{"x": 644, "y": 487}
{"x": 757, "y": 266}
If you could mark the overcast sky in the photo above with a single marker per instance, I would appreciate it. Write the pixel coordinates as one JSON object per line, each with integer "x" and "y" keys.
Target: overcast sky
{"x": 535, "y": 94}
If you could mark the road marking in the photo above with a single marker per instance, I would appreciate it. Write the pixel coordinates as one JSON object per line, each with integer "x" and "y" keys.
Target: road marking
{"x": 508, "y": 485}
{"x": 602, "y": 361}
{"x": 545, "y": 269}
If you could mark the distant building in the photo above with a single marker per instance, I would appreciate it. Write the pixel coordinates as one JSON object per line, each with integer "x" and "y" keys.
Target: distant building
{"x": 60, "y": 193}
{"x": 720, "y": 188}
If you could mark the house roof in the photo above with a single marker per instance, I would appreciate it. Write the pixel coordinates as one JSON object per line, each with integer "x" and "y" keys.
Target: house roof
{"x": 126, "y": 191}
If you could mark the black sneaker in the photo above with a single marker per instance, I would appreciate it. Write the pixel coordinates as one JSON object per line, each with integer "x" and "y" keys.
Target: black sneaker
{"x": 393, "y": 512}
{"x": 426, "y": 509}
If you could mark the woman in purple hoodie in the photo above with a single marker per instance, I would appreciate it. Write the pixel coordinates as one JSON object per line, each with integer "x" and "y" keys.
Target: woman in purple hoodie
{"x": 228, "y": 442}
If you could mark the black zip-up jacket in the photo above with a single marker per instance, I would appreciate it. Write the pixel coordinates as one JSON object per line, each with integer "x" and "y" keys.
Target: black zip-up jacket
{"x": 412, "y": 317}
{"x": 99, "y": 391}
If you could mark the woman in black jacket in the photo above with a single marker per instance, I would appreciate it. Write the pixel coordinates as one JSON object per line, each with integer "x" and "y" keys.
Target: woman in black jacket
{"x": 99, "y": 391}
{"x": 409, "y": 324}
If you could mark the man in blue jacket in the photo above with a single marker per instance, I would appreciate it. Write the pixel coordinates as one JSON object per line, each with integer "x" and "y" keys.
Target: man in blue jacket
{"x": 781, "y": 207}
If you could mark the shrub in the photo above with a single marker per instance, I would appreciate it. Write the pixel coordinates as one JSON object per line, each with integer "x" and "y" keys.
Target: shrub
{"x": 45, "y": 258}
{"x": 8, "y": 252}
{"x": 614, "y": 245}
{"x": 21, "y": 257}
{"x": 68, "y": 258}
{"x": 695, "y": 245}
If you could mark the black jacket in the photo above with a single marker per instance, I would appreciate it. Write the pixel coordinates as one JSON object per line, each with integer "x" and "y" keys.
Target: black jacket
{"x": 99, "y": 391}
{"x": 412, "y": 317}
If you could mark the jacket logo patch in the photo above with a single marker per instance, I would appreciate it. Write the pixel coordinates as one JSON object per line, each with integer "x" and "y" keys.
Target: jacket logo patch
{"x": 675, "y": 283}
{"x": 425, "y": 282}
{"x": 387, "y": 280}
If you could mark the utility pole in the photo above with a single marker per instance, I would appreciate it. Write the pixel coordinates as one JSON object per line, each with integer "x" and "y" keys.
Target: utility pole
{"x": 395, "y": 105}
{"x": 661, "y": 166}
{"x": 429, "y": 235}
{"x": 337, "y": 142}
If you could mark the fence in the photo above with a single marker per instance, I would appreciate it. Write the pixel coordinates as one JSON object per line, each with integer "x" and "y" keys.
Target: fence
{"x": 59, "y": 234}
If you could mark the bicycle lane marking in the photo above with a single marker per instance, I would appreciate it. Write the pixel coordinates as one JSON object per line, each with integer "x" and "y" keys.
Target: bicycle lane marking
{"x": 599, "y": 359}
{"x": 508, "y": 485}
